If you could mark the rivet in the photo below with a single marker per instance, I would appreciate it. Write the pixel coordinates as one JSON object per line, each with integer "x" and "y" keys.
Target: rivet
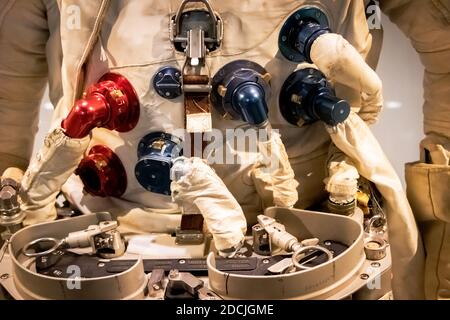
{"x": 375, "y": 264}
{"x": 364, "y": 276}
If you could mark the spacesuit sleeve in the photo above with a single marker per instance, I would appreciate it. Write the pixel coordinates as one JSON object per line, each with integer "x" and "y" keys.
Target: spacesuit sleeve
{"x": 427, "y": 25}
{"x": 23, "y": 77}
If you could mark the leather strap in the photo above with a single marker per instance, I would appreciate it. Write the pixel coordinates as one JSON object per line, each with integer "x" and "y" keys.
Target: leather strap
{"x": 198, "y": 112}
{"x": 198, "y": 121}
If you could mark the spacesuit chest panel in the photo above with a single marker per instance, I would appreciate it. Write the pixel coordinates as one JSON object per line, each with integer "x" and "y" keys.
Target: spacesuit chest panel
{"x": 135, "y": 42}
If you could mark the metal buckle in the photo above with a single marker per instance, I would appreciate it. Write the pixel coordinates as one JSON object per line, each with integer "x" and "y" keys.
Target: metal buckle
{"x": 196, "y": 32}
{"x": 215, "y": 35}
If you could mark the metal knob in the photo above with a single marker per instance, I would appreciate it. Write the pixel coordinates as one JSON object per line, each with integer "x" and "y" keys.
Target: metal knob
{"x": 8, "y": 201}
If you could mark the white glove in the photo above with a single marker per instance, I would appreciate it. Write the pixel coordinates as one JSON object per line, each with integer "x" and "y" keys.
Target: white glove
{"x": 48, "y": 171}
{"x": 199, "y": 186}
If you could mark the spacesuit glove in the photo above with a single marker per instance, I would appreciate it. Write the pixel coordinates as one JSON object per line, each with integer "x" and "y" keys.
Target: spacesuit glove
{"x": 199, "y": 186}
{"x": 47, "y": 172}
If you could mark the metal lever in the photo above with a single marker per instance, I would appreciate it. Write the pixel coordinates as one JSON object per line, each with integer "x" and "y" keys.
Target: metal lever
{"x": 196, "y": 49}
{"x": 286, "y": 241}
{"x": 103, "y": 238}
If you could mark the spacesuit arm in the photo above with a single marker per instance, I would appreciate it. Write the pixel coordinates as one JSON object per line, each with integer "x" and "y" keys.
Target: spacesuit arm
{"x": 357, "y": 142}
{"x": 23, "y": 76}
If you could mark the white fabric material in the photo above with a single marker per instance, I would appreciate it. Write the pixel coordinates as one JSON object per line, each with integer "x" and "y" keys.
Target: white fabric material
{"x": 204, "y": 189}
{"x": 342, "y": 63}
{"x": 52, "y": 166}
{"x": 273, "y": 176}
{"x": 355, "y": 139}
{"x": 162, "y": 246}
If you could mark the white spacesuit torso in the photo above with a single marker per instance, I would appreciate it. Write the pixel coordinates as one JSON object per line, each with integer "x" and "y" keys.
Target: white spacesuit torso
{"x": 125, "y": 46}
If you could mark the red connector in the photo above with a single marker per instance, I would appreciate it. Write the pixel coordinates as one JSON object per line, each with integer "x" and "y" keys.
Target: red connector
{"x": 111, "y": 103}
{"x": 102, "y": 173}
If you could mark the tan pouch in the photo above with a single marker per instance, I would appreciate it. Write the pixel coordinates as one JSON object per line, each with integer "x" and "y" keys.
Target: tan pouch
{"x": 436, "y": 237}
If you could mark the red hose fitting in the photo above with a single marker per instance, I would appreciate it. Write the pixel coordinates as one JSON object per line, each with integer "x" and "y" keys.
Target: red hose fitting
{"x": 102, "y": 173}
{"x": 111, "y": 103}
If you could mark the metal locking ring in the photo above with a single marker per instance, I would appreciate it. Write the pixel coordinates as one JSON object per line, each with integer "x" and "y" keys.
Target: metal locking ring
{"x": 296, "y": 256}
{"x": 57, "y": 244}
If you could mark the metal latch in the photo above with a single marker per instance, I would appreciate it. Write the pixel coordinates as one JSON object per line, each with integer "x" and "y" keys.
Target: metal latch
{"x": 184, "y": 281}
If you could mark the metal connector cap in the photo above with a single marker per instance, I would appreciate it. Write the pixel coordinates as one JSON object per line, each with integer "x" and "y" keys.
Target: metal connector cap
{"x": 375, "y": 248}
{"x": 241, "y": 90}
{"x": 300, "y": 31}
{"x": 156, "y": 153}
{"x": 102, "y": 173}
{"x": 110, "y": 103}
{"x": 307, "y": 96}
{"x": 8, "y": 200}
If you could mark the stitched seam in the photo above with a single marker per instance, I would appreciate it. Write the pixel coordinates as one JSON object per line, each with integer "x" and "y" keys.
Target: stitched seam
{"x": 430, "y": 195}
{"x": 438, "y": 259}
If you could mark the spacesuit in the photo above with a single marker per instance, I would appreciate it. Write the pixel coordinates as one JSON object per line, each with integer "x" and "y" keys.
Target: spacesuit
{"x": 110, "y": 36}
